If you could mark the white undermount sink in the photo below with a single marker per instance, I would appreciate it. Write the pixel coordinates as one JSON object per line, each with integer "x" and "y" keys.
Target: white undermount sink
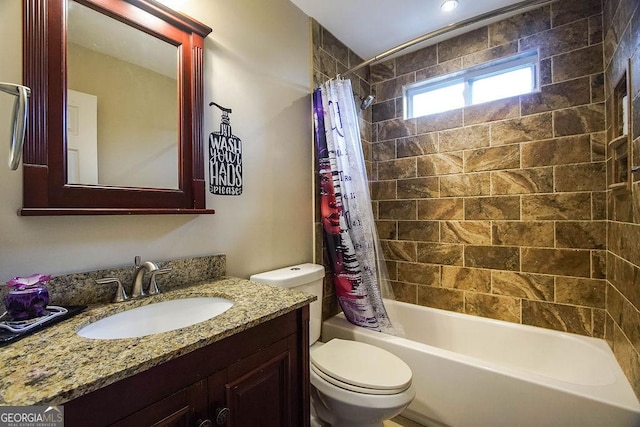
{"x": 156, "y": 318}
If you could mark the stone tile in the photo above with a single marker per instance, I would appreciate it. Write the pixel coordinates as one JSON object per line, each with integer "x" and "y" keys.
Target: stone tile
{"x": 443, "y": 68}
{"x": 381, "y": 151}
{"x": 523, "y": 233}
{"x": 397, "y": 169}
{"x": 492, "y": 208}
{"x": 558, "y": 40}
{"x": 382, "y": 71}
{"x": 405, "y": 292}
{"x": 584, "y": 292}
{"x": 570, "y": 93}
{"x": 440, "y": 164}
{"x": 507, "y": 108}
{"x": 572, "y": 10}
{"x": 523, "y": 285}
{"x": 468, "y": 279}
{"x": 400, "y": 210}
{"x": 529, "y": 128}
{"x": 597, "y": 88}
{"x": 413, "y": 61}
{"x": 439, "y": 121}
{"x": 578, "y": 120}
{"x": 545, "y": 72}
{"x": 470, "y": 232}
{"x": 418, "y": 145}
{"x": 382, "y": 111}
{"x": 442, "y": 298}
{"x": 395, "y": 250}
{"x": 390, "y": 89}
{"x": 335, "y": 47}
{"x": 564, "y": 206}
{"x": 492, "y": 257}
{"x": 422, "y": 274}
{"x": 493, "y": 306}
{"x": 492, "y": 158}
{"x": 441, "y": 209}
{"x": 577, "y": 63}
{"x": 598, "y": 146}
{"x": 395, "y": 128}
{"x": 581, "y": 177}
{"x": 440, "y": 253}
{"x": 522, "y": 181}
{"x": 599, "y": 264}
{"x": 472, "y": 184}
{"x": 424, "y": 231}
{"x": 387, "y": 230}
{"x": 465, "y": 138}
{"x": 491, "y": 54}
{"x": 464, "y": 44}
{"x": 383, "y": 190}
{"x": 418, "y": 188}
{"x": 559, "y": 317}
{"x": 561, "y": 262}
{"x": 558, "y": 151}
{"x": 518, "y": 26}
{"x": 581, "y": 234}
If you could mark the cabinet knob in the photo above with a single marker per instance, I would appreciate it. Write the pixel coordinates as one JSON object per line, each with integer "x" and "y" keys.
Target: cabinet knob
{"x": 222, "y": 416}
{"x": 205, "y": 423}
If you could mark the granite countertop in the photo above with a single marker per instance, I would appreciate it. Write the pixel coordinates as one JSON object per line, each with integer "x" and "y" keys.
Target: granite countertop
{"x": 55, "y": 365}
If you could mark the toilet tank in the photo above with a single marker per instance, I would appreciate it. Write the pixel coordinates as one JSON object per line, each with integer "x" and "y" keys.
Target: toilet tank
{"x": 302, "y": 277}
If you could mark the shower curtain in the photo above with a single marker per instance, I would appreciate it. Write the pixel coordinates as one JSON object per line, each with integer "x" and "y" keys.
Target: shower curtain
{"x": 354, "y": 251}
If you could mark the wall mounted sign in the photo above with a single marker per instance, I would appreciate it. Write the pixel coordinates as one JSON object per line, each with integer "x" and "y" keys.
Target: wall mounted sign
{"x": 225, "y": 158}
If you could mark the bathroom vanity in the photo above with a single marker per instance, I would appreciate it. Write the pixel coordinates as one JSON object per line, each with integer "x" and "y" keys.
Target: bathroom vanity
{"x": 248, "y": 366}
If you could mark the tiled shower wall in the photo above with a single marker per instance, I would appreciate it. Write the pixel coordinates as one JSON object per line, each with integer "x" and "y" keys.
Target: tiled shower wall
{"x": 500, "y": 210}
{"x": 621, "y": 26}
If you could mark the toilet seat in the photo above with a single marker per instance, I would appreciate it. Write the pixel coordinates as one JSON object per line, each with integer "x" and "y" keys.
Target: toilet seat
{"x": 360, "y": 367}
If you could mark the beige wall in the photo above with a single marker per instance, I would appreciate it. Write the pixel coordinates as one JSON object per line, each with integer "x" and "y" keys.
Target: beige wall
{"x": 256, "y": 62}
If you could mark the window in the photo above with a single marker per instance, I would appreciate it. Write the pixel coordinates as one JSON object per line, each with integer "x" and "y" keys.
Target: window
{"x": 499, "y": 79}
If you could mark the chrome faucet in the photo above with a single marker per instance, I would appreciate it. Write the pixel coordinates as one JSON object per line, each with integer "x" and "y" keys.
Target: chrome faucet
{"x": 138, "y": 288}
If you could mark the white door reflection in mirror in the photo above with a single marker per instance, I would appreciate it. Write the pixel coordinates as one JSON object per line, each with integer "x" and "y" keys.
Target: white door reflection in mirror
{"x": 82, "y": 138}
{"x": 134, "y": 76}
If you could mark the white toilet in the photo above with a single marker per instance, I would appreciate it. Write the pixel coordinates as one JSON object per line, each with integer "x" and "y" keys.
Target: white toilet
{"x": 352, "y": 383}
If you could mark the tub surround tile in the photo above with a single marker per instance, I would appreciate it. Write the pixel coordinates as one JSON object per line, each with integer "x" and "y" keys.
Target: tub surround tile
{"x": 577, "y": 63}
{"x": 418, "y": 188}
{"x": 399, "y": 250}
{"x": 441, "y": 209}
{"x": 523, "y": 233}
{"x": 570, "y": 93}
{"x": 492, "y": 208}
{"x": 522, "y": 181}
{"x": 467, "y": 43}
{"x": 492, "y": 257}
{"x": 470, "y": 232}
{"x": 524, "y": 129}
{"x": 423, "y": 231}
{"x": 559, "y": 317}
{"x": 439, "y": 121}
{"x": 397, "y": 169}
{"x": 557, "y": 151}
{"x": 465, "y": 138}
{"x": 565, "y": 206}
{"x": 564, "y": 38}
{"x": 414, "y": 61}
{"x": 561, "y": 262}
{"x": 400, "y": 210}
{"x": 442, "y": 298}
{"x": 469, "y": 279}
{"x": 580, "y": 177}
{"x": 440, "y": 253}
{"x": 466, "y": 185}
{"x": 440, "y": 164}
{"x": 417, "y": 273}
{"x": 579, "y": 120}
{"x": 72, "y": 366}
{"x": 446, "y": 67}
{"x": 493, "y": 306}
{"x": 581, "y": 234}
{"x": 483, "y": 159}
{"x": 491, "y": 54}
{"x": 572, "y": 10}
{"x": 418, "y": 145}
{"x": 536, "y": 287}
{"x": 519, "y": 26}
{"x": 507, "y": 108}
{"x": 405, "y": 292}
{"x": 583, "y": 292}
{"x": 387, "y": 230}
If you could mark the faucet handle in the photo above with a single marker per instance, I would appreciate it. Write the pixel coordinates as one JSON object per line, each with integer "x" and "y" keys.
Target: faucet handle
{"x": 120, "y": 295}
{"x": 153, "y": 284}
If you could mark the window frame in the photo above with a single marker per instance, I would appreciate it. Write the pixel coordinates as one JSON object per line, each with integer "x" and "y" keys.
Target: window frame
{"x": 526, "y": 59}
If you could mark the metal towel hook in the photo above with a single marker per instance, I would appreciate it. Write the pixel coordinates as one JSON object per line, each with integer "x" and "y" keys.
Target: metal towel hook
{"x": 19, "y": 119}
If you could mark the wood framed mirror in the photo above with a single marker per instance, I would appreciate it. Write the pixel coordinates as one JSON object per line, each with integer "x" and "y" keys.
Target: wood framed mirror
{"x": 58, "y": 44}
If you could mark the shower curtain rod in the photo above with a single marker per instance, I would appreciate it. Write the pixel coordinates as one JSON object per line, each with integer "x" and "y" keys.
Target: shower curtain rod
{"x": 449, "y": 28}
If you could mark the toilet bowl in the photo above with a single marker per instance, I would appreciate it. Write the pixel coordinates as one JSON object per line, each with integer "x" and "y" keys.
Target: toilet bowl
{"x": 353, "y": 384}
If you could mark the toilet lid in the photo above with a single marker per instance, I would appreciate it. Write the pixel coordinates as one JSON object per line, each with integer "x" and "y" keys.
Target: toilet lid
{"x": 361, "y": 365}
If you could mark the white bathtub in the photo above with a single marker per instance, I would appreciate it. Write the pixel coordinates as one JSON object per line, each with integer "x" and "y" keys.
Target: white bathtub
{"x": 471, "y": 371}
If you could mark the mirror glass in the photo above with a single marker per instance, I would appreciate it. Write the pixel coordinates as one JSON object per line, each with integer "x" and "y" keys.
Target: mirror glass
{"x": 122, "y": 104}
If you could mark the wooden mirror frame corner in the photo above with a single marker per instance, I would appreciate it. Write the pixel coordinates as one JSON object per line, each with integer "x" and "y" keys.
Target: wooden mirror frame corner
{"x": 45, "y": 190}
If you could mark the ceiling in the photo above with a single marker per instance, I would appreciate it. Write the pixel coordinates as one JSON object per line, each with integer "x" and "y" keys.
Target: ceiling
{"x": 370, "y": 27}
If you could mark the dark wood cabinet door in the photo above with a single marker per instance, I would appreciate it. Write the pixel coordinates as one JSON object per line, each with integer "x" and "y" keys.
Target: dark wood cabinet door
{"x": 181, "y": 409}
